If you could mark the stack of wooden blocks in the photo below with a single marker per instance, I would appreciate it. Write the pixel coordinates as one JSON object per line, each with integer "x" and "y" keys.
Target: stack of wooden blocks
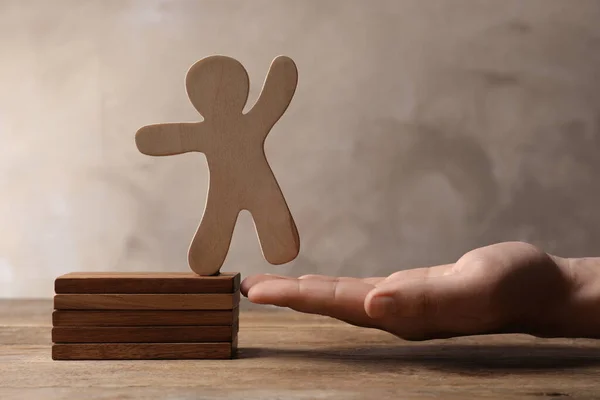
{"x": 143, "y": 316}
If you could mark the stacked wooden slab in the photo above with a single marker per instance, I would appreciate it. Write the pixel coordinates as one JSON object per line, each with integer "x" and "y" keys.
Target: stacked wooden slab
{"x": 143, "y": 316}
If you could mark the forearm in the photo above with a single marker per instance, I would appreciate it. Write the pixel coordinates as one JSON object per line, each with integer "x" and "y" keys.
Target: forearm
{"x": 579, "y": 314}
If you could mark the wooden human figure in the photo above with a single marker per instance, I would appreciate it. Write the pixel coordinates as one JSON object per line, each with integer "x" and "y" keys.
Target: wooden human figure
{"x": 233, "y": 142}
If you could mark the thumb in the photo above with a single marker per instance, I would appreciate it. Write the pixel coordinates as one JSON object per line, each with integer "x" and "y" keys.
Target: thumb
{"x": 422, "y": 297}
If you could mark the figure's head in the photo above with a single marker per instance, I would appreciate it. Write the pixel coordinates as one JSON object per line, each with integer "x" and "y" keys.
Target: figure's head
{"x": 217, "y": 83}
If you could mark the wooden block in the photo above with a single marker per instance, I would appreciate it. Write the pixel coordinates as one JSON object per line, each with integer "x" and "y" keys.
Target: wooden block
{"x": 213, "y": 301}
{"x": 145, "y": 283}
{"x": 143, "y": 351}
{"x": 234, "y": 346}
{"x": 150, "y": 334}
{"x": 144, "y": 318}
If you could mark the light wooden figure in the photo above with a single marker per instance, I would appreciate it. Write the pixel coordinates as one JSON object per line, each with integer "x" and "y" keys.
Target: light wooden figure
{"x": 233, "y": 142}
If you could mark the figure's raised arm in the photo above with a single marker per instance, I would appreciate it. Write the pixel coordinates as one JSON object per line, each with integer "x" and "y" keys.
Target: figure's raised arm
{"x": 170, "y": 139}
{"x": 277, "y": 91}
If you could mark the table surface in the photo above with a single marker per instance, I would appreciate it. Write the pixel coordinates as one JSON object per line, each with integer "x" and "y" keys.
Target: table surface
{"x": 287, "y": 355}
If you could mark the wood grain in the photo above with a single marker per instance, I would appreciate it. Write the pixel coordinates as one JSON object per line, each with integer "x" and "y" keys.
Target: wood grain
{"x": 142, "y": 351}
{"x": 218, "y": 301}
{"x": 146, "y": 334}
{"x": 145, "y": 283}
{"x": 289, "y": 355}
{"x": 143, "y": 318}
{"x": 240, "y": 175}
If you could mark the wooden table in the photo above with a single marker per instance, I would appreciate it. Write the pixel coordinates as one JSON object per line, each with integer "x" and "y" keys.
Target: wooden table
{"x": 286, "y": 355}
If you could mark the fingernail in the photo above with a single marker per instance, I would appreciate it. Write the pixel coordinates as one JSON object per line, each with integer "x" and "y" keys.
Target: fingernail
{"x": 383, "y": 305}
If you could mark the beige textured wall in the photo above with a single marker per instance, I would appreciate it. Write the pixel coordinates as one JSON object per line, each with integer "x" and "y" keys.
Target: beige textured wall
{"x": 420, "y": 129}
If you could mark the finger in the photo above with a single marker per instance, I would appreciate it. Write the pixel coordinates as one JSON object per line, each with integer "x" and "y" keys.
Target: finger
{"x": 440, "y": 303}
{"x": 320, "y": 277}
{"x": 371, "y": 281}
{"x": 420, "y": 273}
{"x": 341, "y": 299}
{"x": 252, "y": 280}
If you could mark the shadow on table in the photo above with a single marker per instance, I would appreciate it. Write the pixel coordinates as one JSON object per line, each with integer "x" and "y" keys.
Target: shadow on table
{"x": 458, "y": 358}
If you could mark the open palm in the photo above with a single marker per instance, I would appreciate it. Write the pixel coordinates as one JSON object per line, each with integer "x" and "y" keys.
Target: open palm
{"x": 507, "y": 287}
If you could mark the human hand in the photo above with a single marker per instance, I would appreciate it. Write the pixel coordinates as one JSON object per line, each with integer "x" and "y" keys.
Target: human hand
{"x": 509, "y": 287}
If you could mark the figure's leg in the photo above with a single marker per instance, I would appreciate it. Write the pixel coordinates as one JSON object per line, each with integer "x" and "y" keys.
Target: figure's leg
{"x": 274, "y": 223}
{"x": 211, "y": 242}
